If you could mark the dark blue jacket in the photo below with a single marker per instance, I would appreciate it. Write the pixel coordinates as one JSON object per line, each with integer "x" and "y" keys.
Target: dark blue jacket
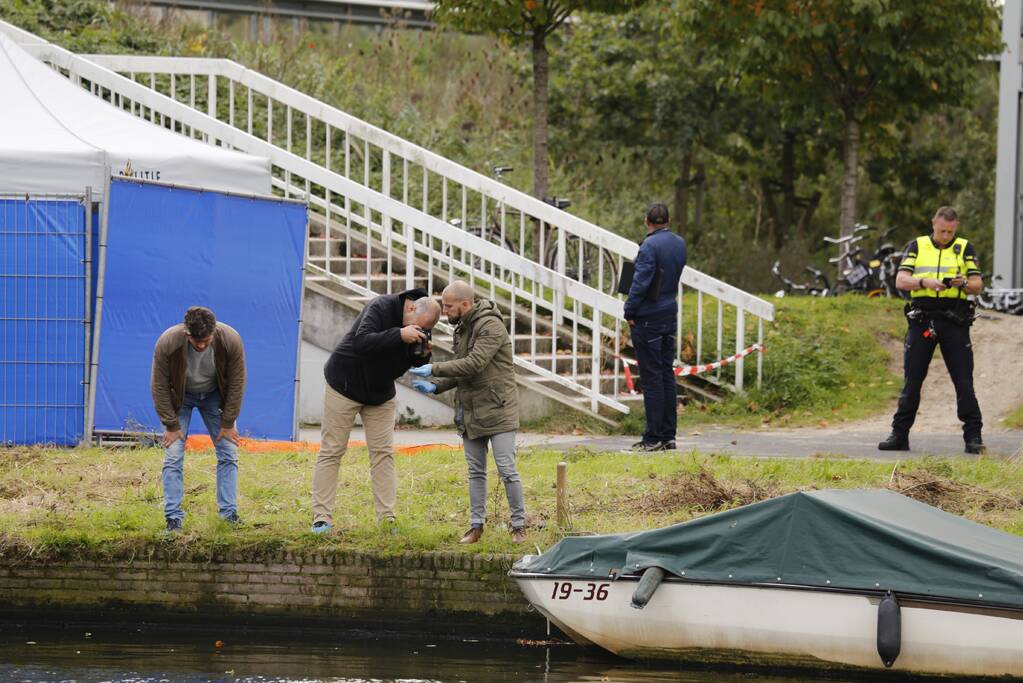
{"x": 664, "y": 250}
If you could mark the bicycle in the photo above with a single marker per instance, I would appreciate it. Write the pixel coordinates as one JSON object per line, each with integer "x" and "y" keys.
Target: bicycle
{"x": 822, "y": 288}
{"x": 853, "y": 272}
{"x": 584, "y": 262}
{"x": 1002, "y": 299}
{"x": 874, "y": 276}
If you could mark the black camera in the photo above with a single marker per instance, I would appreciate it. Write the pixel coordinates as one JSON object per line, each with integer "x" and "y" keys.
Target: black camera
{"x": 419, "y": 348}
{"x": 947, "y": 281}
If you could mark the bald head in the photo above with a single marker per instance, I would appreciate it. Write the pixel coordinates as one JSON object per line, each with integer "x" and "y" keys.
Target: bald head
{"x": 457, "y": 300}
{"x": 459, "y": 290}
{"x": 425, "y": 313}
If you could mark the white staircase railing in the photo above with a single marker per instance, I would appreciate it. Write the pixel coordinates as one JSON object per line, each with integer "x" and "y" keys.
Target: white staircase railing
{"x": 402, "y": 170}
{"x": 408, "y": 205}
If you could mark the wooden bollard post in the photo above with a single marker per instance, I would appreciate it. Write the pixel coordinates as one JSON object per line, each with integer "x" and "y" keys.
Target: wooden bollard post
{"x": 561, "y": 495}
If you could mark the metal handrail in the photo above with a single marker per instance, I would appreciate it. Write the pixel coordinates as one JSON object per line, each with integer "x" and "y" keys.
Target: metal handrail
{"x": 392, "y": 210}
{"x": 499, "y": 192}
{"x": 567, "y": 293}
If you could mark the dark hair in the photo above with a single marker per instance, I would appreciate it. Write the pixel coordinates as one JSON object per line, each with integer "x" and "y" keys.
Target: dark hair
{"x": 657, "y": 214}
{"x": 200, "y": 322}
{"x": 948, "y": 213}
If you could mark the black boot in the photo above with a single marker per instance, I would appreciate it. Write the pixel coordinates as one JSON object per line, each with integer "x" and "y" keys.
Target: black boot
{"x": 895, "y": 442}
{"x": 975, "y": 446}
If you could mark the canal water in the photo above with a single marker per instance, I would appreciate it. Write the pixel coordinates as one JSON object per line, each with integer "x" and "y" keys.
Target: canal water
{"x": 143, "y": 655}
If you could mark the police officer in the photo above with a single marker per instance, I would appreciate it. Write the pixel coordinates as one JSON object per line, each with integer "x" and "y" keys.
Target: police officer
{"x": 938, "y": 270}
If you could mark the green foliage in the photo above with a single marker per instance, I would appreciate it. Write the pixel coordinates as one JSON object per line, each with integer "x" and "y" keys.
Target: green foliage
{"x": 518, "y": 19}
{"x": 637, "y": 80}
{"x": 861, "y": 64}
{"x": 825, "y": 359}
{"x": 88, "y": 26}
{"x": 947, "y": 157}
{"x": 468, "y": 97}
{"x": 874, "y": 61}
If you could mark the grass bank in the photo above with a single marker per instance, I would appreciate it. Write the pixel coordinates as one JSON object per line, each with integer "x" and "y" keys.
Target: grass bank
{"x": 826, "y": 361}
{"x": 1014, "y": 420}
{"x": 109, "y": 502}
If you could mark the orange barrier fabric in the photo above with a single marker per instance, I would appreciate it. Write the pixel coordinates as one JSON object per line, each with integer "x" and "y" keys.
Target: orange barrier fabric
{"x": 202, "y": 442}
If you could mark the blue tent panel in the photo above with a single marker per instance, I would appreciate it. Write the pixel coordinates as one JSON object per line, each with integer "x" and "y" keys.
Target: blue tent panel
{"x": 170, "y": 248}
{"x": 42, "y": 321}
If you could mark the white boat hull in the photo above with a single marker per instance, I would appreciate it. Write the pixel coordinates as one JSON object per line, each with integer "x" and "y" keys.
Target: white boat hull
{"x": 775, "y": 626}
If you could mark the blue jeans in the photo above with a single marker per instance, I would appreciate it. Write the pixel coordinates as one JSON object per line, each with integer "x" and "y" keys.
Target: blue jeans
{"x": 654, "y": 341}
{"x": 174, "y": 458}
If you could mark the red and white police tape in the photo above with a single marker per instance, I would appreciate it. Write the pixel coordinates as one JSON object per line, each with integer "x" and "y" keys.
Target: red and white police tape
{"x": 689, "y": 369}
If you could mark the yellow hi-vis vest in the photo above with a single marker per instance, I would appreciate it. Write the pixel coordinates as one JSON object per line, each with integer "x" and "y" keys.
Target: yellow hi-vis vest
{"x": 939, "y": 263}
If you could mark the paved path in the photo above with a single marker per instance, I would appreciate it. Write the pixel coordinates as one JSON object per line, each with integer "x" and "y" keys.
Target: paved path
{"x": 785, "y": 443}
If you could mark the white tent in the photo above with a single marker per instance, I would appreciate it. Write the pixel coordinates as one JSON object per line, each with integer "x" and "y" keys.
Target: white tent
{"x": 57, "y": 138}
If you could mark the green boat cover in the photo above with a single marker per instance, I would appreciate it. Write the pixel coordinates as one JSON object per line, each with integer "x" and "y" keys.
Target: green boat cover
{"x": 852, "y": 539}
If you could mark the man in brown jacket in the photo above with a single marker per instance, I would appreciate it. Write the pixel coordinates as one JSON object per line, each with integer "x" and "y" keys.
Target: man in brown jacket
{"x": 199, "y": 364}
{"x": 486, "y": 402}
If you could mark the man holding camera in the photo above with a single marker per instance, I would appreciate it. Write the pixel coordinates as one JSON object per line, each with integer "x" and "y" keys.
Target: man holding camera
{"x": 389, "y": 336}
{"x": 938, "y": 270}
{"x": 487, "y": 401}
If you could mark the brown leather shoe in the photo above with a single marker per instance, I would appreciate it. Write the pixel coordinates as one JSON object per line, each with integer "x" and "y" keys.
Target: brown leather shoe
{"x": 472, "y": 535}
{"x": 518, "y": 535}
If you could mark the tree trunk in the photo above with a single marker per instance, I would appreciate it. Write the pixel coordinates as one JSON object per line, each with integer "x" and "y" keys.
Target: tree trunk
{"x": 680, "y": 211}
{"x": 772, "y": 212}
{"x": 811, "y": 208}
{"x": 788, "y": 181}
{"x": 850, "y": 173}
{"x": 540, "y": 92}
{"x": 701, "y": 193}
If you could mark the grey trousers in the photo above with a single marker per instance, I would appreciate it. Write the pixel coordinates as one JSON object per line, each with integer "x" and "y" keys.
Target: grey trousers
{"x": 504, "y": 455}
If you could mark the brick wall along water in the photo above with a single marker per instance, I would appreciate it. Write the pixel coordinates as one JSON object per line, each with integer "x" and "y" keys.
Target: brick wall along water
{"x": 454, "y": 593}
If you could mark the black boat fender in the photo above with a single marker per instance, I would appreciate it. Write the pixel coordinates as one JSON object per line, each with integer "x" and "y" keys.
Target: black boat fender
{"x": 889, "y": 629}
{"x": 652, "y": 578}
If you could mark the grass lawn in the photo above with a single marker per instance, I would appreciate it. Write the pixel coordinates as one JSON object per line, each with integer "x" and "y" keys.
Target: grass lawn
{"x": 1014, "y": 420}
{"x": 109, "y": 501}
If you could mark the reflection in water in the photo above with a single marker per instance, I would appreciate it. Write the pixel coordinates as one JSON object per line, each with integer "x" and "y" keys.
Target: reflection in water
{"x": 92, "y": 655}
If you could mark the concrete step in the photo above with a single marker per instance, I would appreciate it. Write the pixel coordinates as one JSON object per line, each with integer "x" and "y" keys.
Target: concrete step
{"x": 562, "y": 362}
{"x": 525, "y": 343}
{"x": 340, "y": 264}
{"x": 606, "y": 382}
{"x": 583, "y": 403}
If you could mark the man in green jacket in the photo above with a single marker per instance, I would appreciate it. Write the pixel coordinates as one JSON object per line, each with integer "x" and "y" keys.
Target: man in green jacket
{"x": 486, "y": 402}
{"x": 199, "y": 363}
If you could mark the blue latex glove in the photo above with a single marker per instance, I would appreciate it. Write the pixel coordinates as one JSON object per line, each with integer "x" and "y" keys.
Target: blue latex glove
{"x": 424, "y": 387}
{"x": 423, "y": 370}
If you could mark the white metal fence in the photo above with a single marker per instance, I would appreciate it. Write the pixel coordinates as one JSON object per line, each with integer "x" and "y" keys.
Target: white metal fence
{"x": 395, "y": 214}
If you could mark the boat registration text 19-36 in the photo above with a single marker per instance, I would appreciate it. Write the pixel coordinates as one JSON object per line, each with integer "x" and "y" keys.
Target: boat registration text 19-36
{"x": 563, "y": 590}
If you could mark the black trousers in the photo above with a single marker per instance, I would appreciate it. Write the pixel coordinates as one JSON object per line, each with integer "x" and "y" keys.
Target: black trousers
{"x": 654, "y": 342}
{"x": 957, "y": 351}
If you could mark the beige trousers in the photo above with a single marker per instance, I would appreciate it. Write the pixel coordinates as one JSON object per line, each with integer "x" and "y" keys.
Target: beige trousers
{"x": 339, "y": 413}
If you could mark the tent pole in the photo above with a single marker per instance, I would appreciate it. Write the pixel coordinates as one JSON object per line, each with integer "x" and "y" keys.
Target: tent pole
{"x": 88, "y": 312}
{"x": 301, "y": 304}
{"x": 103, "y": 224}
